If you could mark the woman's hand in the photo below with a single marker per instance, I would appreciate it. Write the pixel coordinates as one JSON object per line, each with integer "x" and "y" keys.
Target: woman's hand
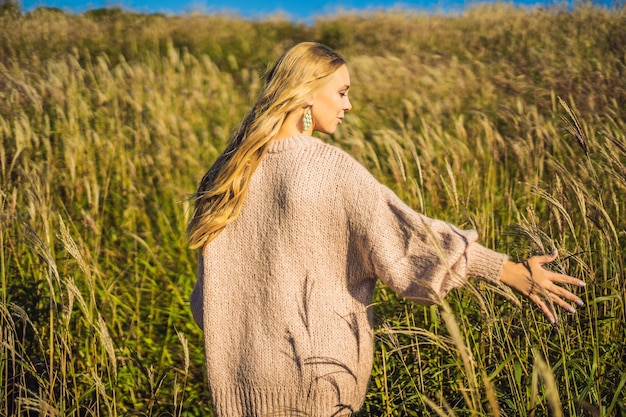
{"x": 537, "y": 283}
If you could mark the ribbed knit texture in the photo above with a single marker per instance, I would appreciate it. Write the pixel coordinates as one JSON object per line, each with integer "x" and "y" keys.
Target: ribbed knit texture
{"x": 283, "y": 293}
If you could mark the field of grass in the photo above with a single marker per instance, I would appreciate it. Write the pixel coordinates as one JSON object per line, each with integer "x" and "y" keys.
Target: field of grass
{"x": 510, "y": 121}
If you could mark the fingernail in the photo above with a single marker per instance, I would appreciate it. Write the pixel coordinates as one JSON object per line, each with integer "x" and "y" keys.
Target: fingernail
{"x": 581, "y": 283}
{"x": 572, "y": 310}
{"x": 580, "y": 302}
{"x": 554, "y": 251}
{"x": 552, "y": 321}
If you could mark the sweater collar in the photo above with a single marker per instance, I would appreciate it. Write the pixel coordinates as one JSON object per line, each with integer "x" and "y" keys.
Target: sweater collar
{"x": 292, "y": 142}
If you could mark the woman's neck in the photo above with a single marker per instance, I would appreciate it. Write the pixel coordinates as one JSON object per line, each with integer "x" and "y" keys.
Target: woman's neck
{"x": 292, "y": 126}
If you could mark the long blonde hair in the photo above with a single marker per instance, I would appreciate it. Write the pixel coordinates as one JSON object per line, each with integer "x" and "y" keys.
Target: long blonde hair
{"x": 299, "y": 72}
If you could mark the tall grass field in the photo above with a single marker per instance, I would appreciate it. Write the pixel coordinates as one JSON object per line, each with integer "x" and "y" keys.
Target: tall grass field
{"x": 506, "y": 120}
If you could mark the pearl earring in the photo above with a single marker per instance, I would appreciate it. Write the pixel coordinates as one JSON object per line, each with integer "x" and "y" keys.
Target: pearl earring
{"x": 307, "y": 120}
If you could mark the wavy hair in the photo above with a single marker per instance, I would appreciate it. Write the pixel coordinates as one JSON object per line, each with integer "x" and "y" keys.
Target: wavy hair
{"x": 295, "y": 76}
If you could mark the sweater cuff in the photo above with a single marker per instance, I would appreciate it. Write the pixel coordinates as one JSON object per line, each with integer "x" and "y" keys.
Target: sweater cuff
{"x": 485, "y": 263}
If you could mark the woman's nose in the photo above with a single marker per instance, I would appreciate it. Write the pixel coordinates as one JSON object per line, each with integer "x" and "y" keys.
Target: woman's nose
{"x": 348, "y": 106}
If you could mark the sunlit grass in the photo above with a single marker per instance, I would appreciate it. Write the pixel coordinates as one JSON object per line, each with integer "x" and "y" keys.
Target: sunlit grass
{"x": 509, "y": 121}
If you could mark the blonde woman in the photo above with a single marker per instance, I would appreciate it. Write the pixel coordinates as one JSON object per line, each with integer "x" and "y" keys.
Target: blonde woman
{"x": 293, "y": 234}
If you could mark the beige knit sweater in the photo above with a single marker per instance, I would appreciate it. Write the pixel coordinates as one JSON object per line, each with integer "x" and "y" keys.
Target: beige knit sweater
{"x": 284, "y": 292}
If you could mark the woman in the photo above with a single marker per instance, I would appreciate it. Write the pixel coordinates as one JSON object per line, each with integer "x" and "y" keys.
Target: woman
{"x": 293, "y": 235}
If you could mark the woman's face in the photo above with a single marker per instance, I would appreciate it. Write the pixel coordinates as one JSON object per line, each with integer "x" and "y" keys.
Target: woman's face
{"x": 331, "y": 102}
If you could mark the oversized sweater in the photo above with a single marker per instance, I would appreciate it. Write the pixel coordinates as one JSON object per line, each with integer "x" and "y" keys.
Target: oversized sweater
{"x": 284, "y": 292}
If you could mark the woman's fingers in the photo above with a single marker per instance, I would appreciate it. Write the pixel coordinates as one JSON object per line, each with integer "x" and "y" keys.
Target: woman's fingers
{"x": 568, "y": 295}
{"x": 546, "y": 303}
{"x": 555, "y": 295}
{"x": 547, "y": 293}
{"x": 546, "y": 308}
{"x": 547, "y": 279}
{"x": 545, "y": 259}
{"x": 561, "y": 303}
{"x": 565, "y": 279}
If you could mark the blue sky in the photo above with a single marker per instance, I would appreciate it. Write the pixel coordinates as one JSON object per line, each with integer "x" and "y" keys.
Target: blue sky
{"x": 295, "y": 9}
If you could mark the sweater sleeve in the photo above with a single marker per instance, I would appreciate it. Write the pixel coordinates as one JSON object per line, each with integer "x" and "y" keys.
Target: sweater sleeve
{"x": 422, "y": 259}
